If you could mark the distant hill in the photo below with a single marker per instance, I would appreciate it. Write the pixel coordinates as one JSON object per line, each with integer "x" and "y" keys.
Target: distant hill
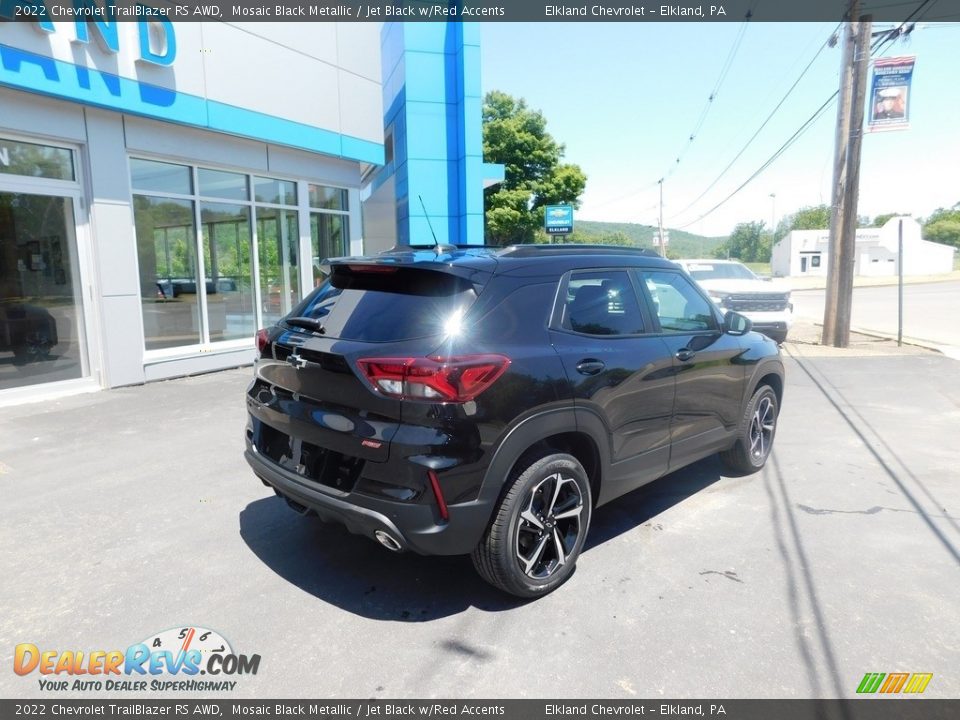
{"x": 681, "y": 244}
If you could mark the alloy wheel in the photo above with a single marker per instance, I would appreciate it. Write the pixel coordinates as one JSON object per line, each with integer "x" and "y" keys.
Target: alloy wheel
{"x": 762, "y": 425}
{"x": 549, "y": 526}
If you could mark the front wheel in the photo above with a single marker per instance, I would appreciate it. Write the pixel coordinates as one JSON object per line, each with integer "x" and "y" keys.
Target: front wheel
{"x": 755, "y": 436}
{"x": 538, "y": 529}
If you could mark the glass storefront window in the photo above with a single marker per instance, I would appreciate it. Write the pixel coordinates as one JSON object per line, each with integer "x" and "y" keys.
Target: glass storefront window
{"x": 41, "y": 309}
{"x": 32, "y": 160}
{"x": 166, "y": 248}
{"x": 276, "y": 192}
{"x": 187, "y": 269}
{"x": 227, "y": 241}
{"x": 278, "y": 240}
{"x": 152, "y": 176}
{"x": 327, "y": 198}
{"x": 219, "y": 184}
{"x": 329, "y": 237}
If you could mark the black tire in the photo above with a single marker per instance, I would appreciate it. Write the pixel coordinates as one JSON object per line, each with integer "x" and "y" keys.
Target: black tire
{"x": 777, "y": 337}
{"x": 758, "y": 428}
{"x": 515, "y": 554}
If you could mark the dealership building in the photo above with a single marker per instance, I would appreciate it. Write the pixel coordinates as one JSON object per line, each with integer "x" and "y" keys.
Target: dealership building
{"x": 168, "y": 188}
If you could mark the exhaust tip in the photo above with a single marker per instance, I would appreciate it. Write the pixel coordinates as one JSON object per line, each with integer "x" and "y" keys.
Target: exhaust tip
{"x": 387, "y": 540}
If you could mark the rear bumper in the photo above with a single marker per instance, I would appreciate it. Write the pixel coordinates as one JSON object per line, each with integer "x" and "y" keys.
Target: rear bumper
{"x": 413, "y": 526}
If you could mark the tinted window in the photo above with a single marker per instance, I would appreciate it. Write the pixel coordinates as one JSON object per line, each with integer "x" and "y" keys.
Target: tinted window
{"x": 20, "y": 158}
{"x": 400, "y": 304}
{"x": 155, "y": 176}
{"x": 327, "y": 198}
{"x": 602, "y": 303}
{"x": 677, "y": 303}
{"x": 228, "y": 185}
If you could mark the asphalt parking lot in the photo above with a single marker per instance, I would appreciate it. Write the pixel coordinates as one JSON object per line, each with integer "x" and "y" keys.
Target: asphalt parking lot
{"x": 131, "y": 511}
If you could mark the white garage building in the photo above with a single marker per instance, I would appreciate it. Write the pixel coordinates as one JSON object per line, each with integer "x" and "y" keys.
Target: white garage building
{"x": 806, "y": 252}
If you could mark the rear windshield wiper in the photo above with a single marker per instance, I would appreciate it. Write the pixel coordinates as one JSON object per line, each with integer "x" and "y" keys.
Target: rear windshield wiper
{"x": 308, "y": 323}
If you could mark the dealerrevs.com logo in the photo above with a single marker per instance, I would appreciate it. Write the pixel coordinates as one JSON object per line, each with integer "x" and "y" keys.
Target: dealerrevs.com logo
{"x": 170, "y": 661}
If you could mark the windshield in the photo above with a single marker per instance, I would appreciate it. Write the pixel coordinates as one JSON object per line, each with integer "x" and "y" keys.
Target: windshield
{"x": 720, "y": 271}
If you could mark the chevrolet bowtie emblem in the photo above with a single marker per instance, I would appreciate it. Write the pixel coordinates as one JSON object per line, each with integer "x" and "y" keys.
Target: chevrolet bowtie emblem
{"x": 297, "y": 361}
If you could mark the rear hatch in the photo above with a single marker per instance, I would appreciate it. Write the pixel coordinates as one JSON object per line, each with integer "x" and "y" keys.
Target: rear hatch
{"x": 309, "y": 390}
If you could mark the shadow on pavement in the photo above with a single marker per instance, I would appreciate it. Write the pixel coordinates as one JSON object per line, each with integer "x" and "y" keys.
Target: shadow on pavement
{"x": 636, "y": 508}
{"x": 356, "y": 575}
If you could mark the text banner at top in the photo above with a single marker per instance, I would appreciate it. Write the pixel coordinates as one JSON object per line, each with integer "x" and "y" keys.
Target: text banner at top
{"x": 46, "y": 11}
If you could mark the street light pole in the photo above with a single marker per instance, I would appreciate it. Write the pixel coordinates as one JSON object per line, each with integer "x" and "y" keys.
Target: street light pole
{"x": 663, "y": 246}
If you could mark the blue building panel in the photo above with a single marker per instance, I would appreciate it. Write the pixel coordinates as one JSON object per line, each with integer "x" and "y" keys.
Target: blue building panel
{"x": 470, "y": 62}
{"x": 438, "y": 131}
{"x": 432, "y": 96}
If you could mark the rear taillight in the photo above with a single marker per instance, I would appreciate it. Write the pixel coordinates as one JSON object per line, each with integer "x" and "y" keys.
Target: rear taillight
{"x": 438, "y": 379}
{"x": 262, "y": 340}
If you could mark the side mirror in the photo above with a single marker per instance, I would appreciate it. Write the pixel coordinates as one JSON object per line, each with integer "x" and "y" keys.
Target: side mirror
{"x": 736, "y": 324}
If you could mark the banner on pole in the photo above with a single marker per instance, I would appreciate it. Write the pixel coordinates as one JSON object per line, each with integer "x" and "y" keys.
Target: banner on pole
{"x": 890, "y": 94}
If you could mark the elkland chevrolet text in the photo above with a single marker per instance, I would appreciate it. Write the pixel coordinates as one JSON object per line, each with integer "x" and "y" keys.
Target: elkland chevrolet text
{"x": 451, "y": 400}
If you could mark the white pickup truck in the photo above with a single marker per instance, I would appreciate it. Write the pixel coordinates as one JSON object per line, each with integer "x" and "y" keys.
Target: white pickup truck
{"x": 733, "y": 286}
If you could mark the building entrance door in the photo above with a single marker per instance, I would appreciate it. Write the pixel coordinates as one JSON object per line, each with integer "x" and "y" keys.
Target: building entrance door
{"x": 42, "y": 328}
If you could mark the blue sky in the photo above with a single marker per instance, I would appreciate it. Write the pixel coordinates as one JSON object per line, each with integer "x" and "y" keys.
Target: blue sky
{"x": 624, "y": 98}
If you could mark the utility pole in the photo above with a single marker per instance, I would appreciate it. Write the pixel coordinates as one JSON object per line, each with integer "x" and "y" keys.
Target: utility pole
{"x": 663, "y": 245}
{"x": 846, "y": 178}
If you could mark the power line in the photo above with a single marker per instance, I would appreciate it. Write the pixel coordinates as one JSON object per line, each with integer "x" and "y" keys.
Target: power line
{"x": 878, "y": 47}
{"x": 724, "y": 71}
{"x": 703, "y": 113}
{"x": 762, "y": 126}
{"x": 782, "y": 149}
{"x": 902, "y": 29}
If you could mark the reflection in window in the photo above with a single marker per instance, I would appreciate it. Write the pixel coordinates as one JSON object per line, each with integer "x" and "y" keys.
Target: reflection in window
{"x": 32, "y": 160}
{"x": 219, "y": 184}
{"x": 166, "y": 250}
{"x": 278, "y": 238}
{"x": 229, "y": 278}
{"x": 41, "y": 310}
{"x": 152, "y": 176}
{"x": 328, "y": 198}
{"x": 678, "y": 304}
{"x": 602, "y": 303}
{"x": 276, "y": 192}
{"x": 185, "y": 268}
{"x": 329, "y": 239}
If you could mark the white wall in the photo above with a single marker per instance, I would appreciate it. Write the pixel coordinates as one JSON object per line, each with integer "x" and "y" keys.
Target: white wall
{"x": 324, "y": 75}
{"x": 875, "y": 254}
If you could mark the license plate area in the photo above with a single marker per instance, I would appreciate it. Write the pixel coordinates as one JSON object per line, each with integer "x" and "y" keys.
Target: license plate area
{"x": 311, "y": 462}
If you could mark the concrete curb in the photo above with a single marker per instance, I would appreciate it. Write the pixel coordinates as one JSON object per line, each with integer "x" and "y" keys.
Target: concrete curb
{"x": 892, "y": 282}
{"x": 913, "y": 342}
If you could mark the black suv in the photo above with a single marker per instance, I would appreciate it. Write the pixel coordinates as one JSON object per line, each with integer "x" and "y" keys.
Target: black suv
{"x": 453, "y": 400}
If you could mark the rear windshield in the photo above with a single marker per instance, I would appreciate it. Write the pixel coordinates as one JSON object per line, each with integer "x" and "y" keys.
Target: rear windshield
{"x": 399, "y": 304}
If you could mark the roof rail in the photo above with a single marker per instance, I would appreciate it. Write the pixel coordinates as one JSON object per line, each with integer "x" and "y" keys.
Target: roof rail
{"x": 458, "y": 246}
{"x": 569, "y": 248}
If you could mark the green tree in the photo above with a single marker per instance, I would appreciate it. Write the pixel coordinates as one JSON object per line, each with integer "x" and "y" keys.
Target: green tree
{"x": 814, "y": 217}
{"x": 516, "y": 136}
{"x": 749, "y": 242}
{"x": 943, "y": 226}
{"x": 881, "y": 220}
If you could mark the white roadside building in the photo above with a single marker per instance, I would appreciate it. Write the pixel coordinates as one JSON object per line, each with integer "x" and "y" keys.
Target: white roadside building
{"x": 806, "y": 252}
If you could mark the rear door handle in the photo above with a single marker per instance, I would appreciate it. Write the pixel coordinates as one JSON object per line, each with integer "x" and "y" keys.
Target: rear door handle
{"x": 685, "y": 354}
{"x": 590, "y": 366}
